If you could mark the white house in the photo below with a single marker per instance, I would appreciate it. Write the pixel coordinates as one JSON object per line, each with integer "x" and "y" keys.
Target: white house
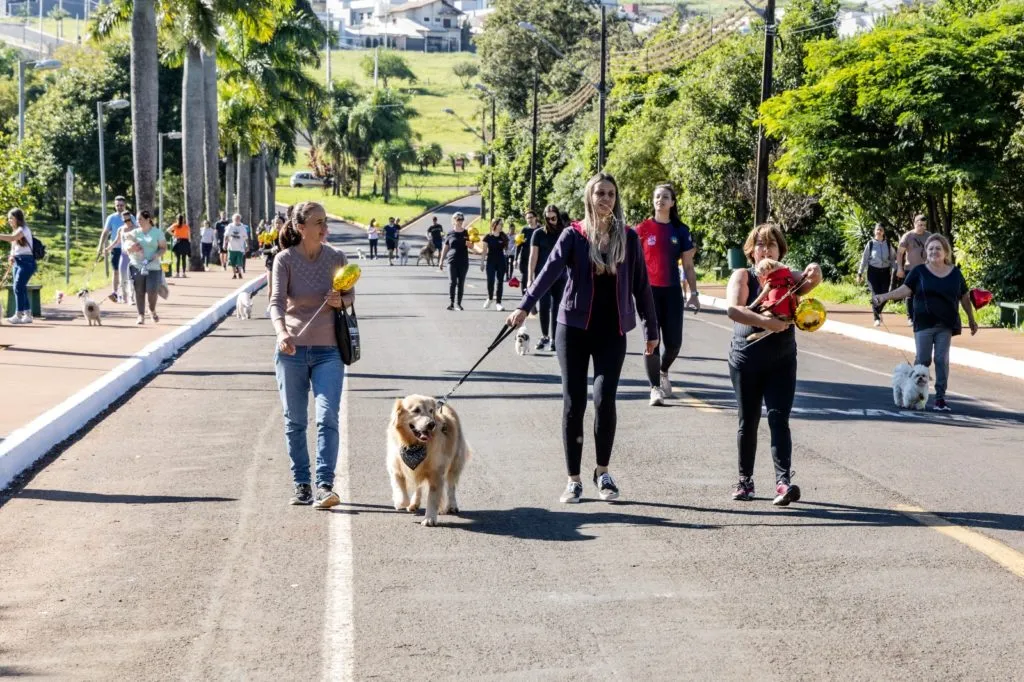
{"x": 421, "y": 25}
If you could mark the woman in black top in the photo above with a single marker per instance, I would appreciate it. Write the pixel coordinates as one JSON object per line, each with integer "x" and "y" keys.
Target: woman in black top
{"x": 455, "y": 255}
{"x": 541, "y": 243}
{"x": 764, "y": 370}
{"x": 939, "y": 289}
{"x": 495, "y": 243}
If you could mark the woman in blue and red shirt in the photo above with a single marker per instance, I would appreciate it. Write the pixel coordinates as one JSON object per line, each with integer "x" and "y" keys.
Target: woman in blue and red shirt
{"x": 664, "y": 240}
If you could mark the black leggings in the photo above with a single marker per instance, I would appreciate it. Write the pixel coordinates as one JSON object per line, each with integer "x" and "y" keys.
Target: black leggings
{"x": 879, "y": 280}
{"x": 776, "y": 386}
{"x": 510, "y": 267}
{"x": 373, "y": 248}
{"x": 549, "y": 304}
{"x": 495, "y": 278}
{"x": 457, "y": 281}
{"x": 575, "y": 347}
{"x": 668, "y": 304}
{"x": 180, "y": 264}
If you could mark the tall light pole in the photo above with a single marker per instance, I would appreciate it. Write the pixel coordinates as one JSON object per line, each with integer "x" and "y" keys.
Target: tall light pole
{"x": 761, "y": 189}
{"x": 113, "y": 105}
{"x": 160, "y": 172}
{"x": 490, "y": 147}
{"x": 40, "y": 65}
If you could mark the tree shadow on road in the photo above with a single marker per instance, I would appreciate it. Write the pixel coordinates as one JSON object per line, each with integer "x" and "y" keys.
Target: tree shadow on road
{"x": 535, "y": 523}
{"x": 806, "y": 513}
{"x": 78, "y": 496}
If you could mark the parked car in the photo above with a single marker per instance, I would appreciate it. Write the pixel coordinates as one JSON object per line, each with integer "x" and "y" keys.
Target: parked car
{"x": 307, "y": 179}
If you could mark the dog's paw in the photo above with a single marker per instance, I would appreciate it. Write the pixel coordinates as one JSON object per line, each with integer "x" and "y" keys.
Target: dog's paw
{"x": 429, "y": 522}
{"x": 401, "y": 505}
{"x": 452, "y": 511}
{"x": 412, "y": 507}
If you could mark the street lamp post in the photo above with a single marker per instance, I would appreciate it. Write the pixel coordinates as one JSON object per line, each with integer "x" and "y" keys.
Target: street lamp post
{"x": 100, "y": 108}
{"x": 490, "y": 148}
{"x": 40, "y": 65}
{"x": 160, "y": 173}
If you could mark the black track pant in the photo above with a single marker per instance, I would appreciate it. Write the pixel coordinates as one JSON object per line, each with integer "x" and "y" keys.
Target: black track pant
{"x": 575, "y": 348}
{"x": 180, "y": 262}
{"x": 495, "y": 280}
{"x": 548, "y": 305}
{"x": 668, "y": 304}
{"x": 457, "y": 281}
{"x": 879, "y": 280}
{"x": 774, "y": 384}
{"x": 373, "y": 248}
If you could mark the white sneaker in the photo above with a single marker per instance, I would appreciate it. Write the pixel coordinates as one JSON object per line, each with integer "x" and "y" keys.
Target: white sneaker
{"x": 878, "y": 323}
{"x": 15, "y": 319}
{"x": 487, "y": 304}
{"x": 499, "y": 307}
{"x": 666, "y": 386}
{"x": 657, "y": 397}
{"x": 26, "y": 318}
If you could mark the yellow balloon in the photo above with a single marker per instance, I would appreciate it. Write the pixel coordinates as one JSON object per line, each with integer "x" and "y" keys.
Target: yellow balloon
{"x": 810, "y": 315}
{"x": 520, "y": 238}
{"x": 346, "y": 277}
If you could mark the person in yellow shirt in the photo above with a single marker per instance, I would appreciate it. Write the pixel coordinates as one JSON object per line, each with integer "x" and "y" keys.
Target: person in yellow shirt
{"x": 182, "y": 247}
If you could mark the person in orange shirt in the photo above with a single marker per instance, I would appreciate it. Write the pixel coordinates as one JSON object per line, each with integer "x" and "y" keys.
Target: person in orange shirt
{"x": 182, "y": 247}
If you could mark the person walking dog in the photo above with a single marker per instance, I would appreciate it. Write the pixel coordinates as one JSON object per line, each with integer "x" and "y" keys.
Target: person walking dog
{"x": 938, "y": 289}
{"x": 306, "y": 356}
{"x": 606, "y": 280}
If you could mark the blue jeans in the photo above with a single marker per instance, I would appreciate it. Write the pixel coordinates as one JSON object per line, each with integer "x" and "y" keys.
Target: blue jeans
{"x": 318, "y": 367}
{"x": 939, "y": 339}
{"x": 24, "y": 268}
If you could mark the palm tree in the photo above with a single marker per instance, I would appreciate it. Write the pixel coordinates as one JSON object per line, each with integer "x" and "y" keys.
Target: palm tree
{"x": 211, "y": 136}
{"x": 383, "y": 115}
{"x": 389, "y": 159}
{"x": 144, "y": 96}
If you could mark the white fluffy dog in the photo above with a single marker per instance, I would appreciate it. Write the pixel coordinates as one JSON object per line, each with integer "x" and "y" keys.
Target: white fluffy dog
{"x": 243, "y": 306}
{"x": 90, "y": 309}
{"x": 910, "y": 386}
{"x": 403, "y": 252}
{"x": 522, "y": 341}
{"x": 361, "y": 254}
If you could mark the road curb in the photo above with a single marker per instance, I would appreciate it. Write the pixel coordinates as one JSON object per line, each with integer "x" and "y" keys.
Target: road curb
{"x": 986, "y": 362}
{"x": 28, "y": 444}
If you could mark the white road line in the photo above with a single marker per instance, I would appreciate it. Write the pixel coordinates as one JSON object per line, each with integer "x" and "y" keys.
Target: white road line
{"x": 867, "y": 369}
{"x": 338, "y": 627}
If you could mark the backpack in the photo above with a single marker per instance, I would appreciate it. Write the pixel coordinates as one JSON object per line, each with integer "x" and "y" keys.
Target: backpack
{"x": 38, "y": 249}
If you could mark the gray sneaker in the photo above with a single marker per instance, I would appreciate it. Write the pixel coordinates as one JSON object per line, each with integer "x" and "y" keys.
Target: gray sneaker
{"x": 606, "y": 486}
{"x": 303, "y": 494}
{"x": 325, "y": 497}
{"x": 666, "y": 386}
{"x": 572, "y": 493}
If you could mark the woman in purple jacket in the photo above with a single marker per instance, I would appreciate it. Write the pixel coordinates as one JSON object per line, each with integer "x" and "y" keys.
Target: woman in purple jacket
{"x": 606, "y": 273}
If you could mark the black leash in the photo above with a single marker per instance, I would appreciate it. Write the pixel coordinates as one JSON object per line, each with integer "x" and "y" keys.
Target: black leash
{"x": 505, "y": 332}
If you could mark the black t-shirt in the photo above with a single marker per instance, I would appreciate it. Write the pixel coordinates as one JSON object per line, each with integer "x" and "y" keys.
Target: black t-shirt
{"x": 604, "y": 311}
{"x": 523, "y": 254}
{"x": 220, "y": 227}
{"x": 458, "y": 248}
{"x": 545, "y": 242}
{"x": 496, "y": 245}
{"x": 936, "y": 299}
{"x": 434, "y": 233}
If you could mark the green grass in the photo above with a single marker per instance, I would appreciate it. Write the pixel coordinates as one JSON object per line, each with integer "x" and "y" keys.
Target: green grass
{"x": 436, "y": 88}
{"x": 442, "y": 176}
{"x": 50, "y": 26}
{"x": 406, "y": 205}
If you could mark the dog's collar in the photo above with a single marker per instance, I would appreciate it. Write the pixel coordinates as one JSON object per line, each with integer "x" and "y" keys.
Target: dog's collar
{"x": 413, "y": 455}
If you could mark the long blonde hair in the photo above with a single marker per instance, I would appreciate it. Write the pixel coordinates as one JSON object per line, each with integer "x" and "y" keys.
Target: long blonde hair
{"x": 616, "y": 235}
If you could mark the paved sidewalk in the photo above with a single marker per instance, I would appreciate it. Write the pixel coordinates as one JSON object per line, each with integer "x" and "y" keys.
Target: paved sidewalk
{"x": 994, "y": 340}
{"x": 44, "y": 363}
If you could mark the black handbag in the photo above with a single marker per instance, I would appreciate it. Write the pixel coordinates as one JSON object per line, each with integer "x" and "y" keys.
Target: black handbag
{"x": 346, "y": 331}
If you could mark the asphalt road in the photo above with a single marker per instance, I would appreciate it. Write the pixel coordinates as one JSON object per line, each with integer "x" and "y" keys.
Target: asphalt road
{"x": 160, "y": 545}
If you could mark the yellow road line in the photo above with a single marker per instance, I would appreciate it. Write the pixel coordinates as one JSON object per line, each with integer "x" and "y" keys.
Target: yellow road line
{"x": 697, "y": 404}
{"x": 1002, "y": 554}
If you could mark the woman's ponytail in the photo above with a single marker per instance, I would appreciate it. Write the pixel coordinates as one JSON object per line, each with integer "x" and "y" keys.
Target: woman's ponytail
{"x": 290, "y": 235}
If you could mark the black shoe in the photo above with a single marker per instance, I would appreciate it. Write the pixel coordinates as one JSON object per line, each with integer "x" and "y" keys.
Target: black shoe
{"x": 786, "y": 492}
{"x": 326, "y": 497}
{"x": 744, "y": 490}
{"x": 303, "y": 494}
{"x": 451, "y": 306}
{"x": 542, "y": 343}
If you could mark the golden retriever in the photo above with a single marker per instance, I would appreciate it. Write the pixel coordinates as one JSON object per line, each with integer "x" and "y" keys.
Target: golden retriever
{"x": 426, "y": 447}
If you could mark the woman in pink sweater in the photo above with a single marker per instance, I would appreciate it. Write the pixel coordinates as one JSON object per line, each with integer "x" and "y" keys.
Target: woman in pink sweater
{"x": 308, "y": 357}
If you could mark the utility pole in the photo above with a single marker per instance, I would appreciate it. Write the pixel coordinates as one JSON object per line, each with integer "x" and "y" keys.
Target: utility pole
{"x": 761, "y": 190}
{"x": 533, "y": 150}
{"x": 603, "y": 88}
{"x": 491, "y": 151}
{"x": 329, "y": 26}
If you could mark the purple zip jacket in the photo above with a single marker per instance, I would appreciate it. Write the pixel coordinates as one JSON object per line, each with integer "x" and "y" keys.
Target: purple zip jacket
{"x": 572, "y": 255}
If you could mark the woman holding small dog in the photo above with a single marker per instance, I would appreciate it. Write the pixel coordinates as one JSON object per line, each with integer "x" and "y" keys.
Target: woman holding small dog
{"x": 23, "y": 262}
{"x": 146, "y": 246}
{"x": 307, "y": 355}
{"x": 938, "y": 289}
{"x": 764, "y": 370}
{"x": 606, "y": 280}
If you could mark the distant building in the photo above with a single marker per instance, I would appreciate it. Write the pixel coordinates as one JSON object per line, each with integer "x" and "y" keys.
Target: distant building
{"x": 417, "y": 25}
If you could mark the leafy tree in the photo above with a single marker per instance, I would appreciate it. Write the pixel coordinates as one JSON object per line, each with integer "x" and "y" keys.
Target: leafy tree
{"x": 389, "y": 65}
{"x": 429, "y": 155}
{"x": 389, "y": 159}
{"x": 382, "y": 115}
{"x": 466, "y": 72}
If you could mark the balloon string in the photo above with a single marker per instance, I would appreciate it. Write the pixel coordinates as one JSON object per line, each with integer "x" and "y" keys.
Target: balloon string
{"x": 303, "y": 330}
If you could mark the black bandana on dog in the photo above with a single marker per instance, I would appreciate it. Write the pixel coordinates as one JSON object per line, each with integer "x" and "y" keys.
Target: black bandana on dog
{"x": 413, "y": 455}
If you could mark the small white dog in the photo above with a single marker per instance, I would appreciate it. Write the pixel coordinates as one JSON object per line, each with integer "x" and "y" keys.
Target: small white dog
{"x": 90, "y": 308}
{"x": 243, "y": 306}
{"x": 522, "y": 341}
{"x": 403, "y": 252}
{"x": 361, "y": 254}
{"x": 910, "y": 386}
